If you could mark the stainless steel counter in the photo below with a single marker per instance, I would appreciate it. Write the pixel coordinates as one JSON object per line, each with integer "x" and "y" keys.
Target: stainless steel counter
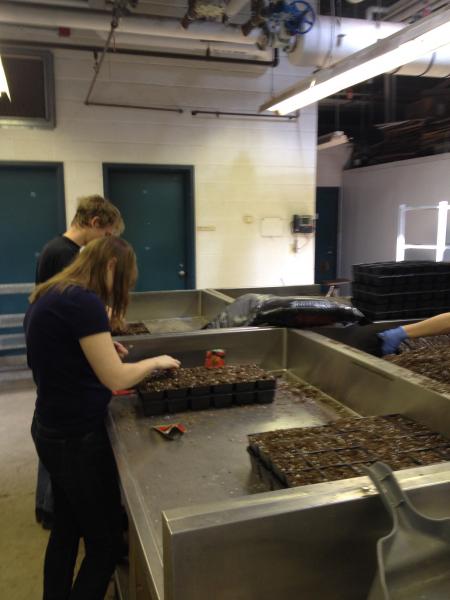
{"x": 200, "y": 530}
{"x": 282, "y": 290}
{"x": 175, "y": 311}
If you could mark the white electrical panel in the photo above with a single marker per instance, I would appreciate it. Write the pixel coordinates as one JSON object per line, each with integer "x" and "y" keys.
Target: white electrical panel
{"x": 272, "y": 227}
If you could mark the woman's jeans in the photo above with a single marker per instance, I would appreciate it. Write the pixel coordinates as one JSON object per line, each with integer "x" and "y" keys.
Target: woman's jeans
{"x": 44, "y": 495}
{"x": 87, "y": 504}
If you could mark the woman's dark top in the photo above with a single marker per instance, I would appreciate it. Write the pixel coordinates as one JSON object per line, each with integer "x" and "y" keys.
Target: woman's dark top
{"x": 70, "y": 397}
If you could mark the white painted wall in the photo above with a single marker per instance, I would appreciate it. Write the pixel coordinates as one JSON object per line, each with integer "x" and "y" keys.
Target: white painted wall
{"x": 242, "y": 166}
{"x": 371, "y": 197}
{"x": 330, "y": 165}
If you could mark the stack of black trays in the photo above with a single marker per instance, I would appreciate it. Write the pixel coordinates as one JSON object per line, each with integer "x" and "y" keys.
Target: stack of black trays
{"x": 401, "y": 290}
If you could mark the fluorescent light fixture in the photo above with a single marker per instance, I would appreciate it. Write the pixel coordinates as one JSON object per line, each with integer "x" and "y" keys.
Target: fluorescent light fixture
{"x": 407, "y": 45}
{"x": 4, "y": 89}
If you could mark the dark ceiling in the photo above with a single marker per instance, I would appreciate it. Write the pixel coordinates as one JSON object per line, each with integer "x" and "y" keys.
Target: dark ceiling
{"x": 385, "y": 99}
{"x": 342, "y": 8}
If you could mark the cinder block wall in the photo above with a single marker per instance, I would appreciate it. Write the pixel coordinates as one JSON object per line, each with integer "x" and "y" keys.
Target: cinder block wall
{"x": 242, "y": 166}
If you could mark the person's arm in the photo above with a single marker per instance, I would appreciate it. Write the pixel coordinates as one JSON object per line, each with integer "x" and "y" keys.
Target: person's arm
{"x": 392, "y": 338}
{"x": 438, "y": 325}
{"x": 111, "y": 371}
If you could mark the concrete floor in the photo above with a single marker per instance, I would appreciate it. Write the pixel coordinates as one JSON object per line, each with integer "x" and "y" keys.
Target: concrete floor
{"x": 22, "y": 540}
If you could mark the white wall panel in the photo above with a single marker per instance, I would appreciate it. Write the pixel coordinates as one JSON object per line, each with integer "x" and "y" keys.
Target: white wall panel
{"x": 330, "y": 165}
{"x": 371, "y": 198}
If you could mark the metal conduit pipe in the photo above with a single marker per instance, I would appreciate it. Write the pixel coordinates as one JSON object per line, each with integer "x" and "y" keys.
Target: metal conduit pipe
{"x": 331, "y": 40}
{"x": 41, "y": 16}
{"x": 398, "y": 7}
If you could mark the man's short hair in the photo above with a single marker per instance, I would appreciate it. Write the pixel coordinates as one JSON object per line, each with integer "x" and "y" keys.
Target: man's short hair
{"x": 97, "y": 206}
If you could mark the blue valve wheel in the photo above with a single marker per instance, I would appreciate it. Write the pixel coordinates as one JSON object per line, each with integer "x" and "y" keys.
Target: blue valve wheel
{"x": 302, "y": 17}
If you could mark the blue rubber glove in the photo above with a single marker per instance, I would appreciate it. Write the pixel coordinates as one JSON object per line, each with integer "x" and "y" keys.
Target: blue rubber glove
{"x": 391, "y": 340}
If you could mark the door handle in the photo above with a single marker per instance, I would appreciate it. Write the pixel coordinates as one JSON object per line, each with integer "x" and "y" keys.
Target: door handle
{"x": 182, "y": 273}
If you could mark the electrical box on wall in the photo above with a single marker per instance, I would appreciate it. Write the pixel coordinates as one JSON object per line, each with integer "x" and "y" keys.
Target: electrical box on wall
{"x": 303, "y": 223}
{"x": 271, "y": 227}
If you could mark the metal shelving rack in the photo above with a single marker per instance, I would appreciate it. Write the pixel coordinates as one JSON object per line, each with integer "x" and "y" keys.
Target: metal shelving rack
{"x": 439, "y": 247}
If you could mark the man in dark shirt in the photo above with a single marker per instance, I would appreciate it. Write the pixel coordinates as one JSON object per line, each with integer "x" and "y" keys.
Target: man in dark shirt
{"x": 95, "y": 217}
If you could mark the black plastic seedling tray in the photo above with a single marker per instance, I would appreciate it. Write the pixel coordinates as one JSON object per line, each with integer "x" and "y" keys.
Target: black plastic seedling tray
{"x": 222, "y": 400}
{"x": 152, "y": 408}
{"x": 241, "y": 398}
{"x": 372, "y": 312}
{"x": 199, "y": 402}
{"x": 177, "y": 397}
{"x": 266, "y": 384}
{"x": 265, "y": 396}
{"x": 244, "y": 386}
{"x": 407, "y": 276}
{"x": 177, "y": 393}
{"x": 401, "y": 300}
{"x": 151, "y": 396}
{"x": 407, "y": 267}
{"x": 175, "y": 405}
{"x": 222, "y": 388}
{"x": 343, "y": 449}
{"x": 204, "y": 390}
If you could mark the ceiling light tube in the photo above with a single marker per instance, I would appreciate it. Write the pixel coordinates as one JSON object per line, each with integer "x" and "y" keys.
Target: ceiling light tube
{"x": 4, "y": 89}
{"x": 404, "y": 46}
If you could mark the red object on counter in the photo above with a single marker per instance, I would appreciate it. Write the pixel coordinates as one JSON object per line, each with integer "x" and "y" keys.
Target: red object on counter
{"x": 215, "y": 358}
{"x": 171, "y": 431}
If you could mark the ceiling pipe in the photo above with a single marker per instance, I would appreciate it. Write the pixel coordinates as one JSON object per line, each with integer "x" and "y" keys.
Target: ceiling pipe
{"x": 329, "y": 41}
{"x": 332, "y": 40}
{"x": 375, "y": 11}
{"x": 42, "y": 16}
{"x": 399, "y": 6}
{"x": 9, "y": 44}
{"x": 234, "y": 7}
{"x": 212, "y": 48}
{"x": 80, "y": 4}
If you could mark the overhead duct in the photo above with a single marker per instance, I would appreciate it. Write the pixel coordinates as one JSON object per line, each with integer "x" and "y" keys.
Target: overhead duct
{"x": 194, "y": 46}
{"x": 332, "y": 39}
{"x": 329, "y": 41}
{"x": 100, "y": 21}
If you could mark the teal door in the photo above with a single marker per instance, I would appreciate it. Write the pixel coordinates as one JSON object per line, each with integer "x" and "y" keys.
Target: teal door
{"x": 156, "y": 203}
{"x": 327, "y": 210}
{"x": 32, "y": 212}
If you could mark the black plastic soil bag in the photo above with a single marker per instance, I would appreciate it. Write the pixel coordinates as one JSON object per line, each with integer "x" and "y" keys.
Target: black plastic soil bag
{"x": 285, "y": 311}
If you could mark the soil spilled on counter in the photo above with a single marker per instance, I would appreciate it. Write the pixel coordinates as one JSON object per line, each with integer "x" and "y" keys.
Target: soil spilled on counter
{"x": 135, "y": 328}
{"x": 316, "y": 402}
{"x": 431, "y": 360}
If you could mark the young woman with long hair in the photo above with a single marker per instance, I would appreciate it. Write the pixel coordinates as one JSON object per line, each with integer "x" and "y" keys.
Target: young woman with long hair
{"x": 75, "y": 367}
